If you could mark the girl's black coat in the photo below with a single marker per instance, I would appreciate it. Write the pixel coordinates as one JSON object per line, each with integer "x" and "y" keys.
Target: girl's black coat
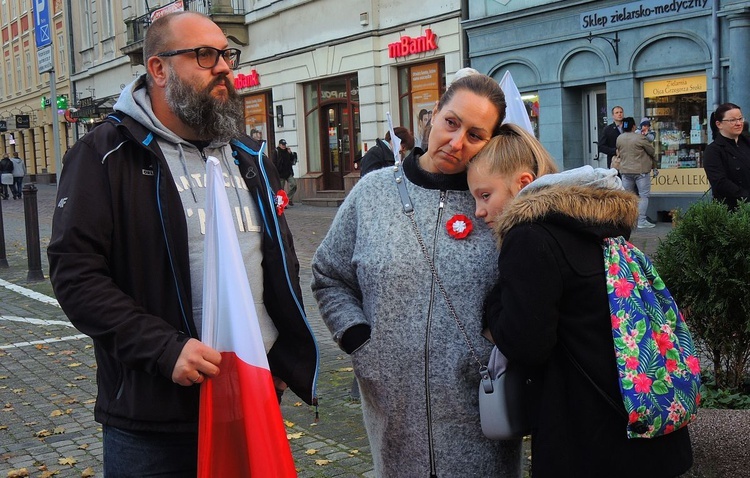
{"x": 552, "y": 291}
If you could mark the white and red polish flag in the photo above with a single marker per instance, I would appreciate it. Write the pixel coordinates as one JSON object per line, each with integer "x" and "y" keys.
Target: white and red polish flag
{"x": 241, "y": 432}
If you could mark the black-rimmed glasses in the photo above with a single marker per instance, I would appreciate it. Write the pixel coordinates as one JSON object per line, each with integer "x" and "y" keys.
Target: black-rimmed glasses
{"x": 208, "y": 57}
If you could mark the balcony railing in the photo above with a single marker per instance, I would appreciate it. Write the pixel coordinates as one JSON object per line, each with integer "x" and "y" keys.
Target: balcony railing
{"x": 227, "y": 7}
{"x": 228, "y": 14}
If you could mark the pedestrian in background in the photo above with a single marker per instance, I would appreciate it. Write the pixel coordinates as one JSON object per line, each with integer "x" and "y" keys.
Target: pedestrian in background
{"x": 637, "y": 160}
{"x": 381, "y": 155}
{"x": 285, "y": 159}
{"x": 377, "y": 294}
{"x": 6, "y": 175}
{"x": 645, "y": 129}
{"x": 608, "y": 137}
{"x": 727, "y": 159}
{"x": 126, "y": 252}
{"x": 257, "y": 135}
{"x": 19, "y": 171}
{"x": 551, "y": 301}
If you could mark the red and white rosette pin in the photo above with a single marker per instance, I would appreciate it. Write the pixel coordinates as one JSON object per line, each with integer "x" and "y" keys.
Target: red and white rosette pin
{"x": 282, "y": 201}
{"x": 459, "y": 226}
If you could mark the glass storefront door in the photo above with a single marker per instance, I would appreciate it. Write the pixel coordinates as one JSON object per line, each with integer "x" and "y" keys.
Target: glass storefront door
{"x": 333, "y": 128}
{"x": 333, "y": 148}
{"x": 594, "y": 120}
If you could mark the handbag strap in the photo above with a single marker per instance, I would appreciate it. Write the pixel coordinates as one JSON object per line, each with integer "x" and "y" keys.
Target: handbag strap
{"x": 409, "y": 212}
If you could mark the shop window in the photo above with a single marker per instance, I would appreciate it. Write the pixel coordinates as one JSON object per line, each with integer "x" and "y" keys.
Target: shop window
{"x": 419, "y": 89}
{"x": 531, "y": 102}
{"x": 677, "y": 109}
{"x": 257, "y": 116}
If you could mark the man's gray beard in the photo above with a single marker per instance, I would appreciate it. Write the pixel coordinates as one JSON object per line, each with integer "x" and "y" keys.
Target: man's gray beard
{"x": 211, "y": 118}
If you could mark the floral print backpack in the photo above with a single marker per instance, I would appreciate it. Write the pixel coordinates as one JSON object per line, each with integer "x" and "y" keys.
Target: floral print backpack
{"x": 659, "y": 373}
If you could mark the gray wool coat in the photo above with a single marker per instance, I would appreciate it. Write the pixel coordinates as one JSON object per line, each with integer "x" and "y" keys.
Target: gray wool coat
{"x": 417, "y": 377}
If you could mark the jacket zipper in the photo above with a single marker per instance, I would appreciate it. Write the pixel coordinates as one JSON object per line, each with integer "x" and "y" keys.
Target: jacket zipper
{"x": 183, "y": 313}
{"x": 433, "y": 465}
{"x": 270, "y": 211}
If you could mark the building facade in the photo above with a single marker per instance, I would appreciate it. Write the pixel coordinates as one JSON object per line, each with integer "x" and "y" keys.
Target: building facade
{"x": 100, "y": 68}
{"x": 672, "y": 61}
{"x": 327, "y": 90}
{"x": 27, "y": 110}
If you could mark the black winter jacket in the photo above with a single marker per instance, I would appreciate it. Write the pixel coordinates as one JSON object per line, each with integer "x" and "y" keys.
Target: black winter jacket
{"x": 284, "y": 160}
{"x": 727, "y": 166}
{"x": 6, "y": 165}
{"x": 379, "y": 156}
{"x": 608, "y": 141}
{"x": 553, "y": 292}
{"x": 120, "y": 269}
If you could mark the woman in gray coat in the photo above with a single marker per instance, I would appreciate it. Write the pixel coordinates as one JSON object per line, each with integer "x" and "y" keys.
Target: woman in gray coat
{"x": 376, "y": 293}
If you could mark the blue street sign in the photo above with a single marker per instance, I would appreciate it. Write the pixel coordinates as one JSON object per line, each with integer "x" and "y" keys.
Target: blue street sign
{"x": 41, "y": 23}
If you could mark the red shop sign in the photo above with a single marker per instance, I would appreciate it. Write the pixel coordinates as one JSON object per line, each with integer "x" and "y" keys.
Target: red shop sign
{"x": 246, "y": 81}
{"x": 410, "y": 46}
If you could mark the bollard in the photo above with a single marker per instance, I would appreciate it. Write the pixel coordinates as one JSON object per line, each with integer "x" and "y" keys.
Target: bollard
{"x": 33, "y": 247}
{"x": 3, "y": 257}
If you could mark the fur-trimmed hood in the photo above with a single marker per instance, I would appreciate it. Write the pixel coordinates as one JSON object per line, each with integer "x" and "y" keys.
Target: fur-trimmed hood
{"x": 607, "y": 209}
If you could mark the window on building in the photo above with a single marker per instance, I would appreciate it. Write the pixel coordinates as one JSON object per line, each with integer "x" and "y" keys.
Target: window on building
{"x": 29, "y": 71}
{"x": 108, "y": 29}
{"x": 10, "y": 78}
{"x": 87, "y": 38}
{"x": 419, "y": 89}
{"x": 19, "y": 76}
{"x": 677, "y": 109}
{"x": 531, "y": 101}
{"x": 62, "y": 55}
{"x": 13, "y": 9}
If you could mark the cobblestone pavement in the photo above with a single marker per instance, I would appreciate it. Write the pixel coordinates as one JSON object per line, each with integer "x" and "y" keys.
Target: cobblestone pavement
{"x": 47, "y": 368}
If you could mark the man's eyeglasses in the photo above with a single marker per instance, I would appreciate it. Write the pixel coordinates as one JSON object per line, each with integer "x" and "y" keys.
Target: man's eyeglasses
{"x": 733, "y": 120}
{"x": 208, "y": 57}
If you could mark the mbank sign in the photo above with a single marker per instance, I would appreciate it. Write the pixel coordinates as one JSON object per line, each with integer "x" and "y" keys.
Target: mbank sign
{"x": 411, "y": 46}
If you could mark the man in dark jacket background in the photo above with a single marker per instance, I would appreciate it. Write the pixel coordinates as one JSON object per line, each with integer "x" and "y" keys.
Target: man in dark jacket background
{"x": 608, "y": 137}
{"x": 381, "y": 155}
{"x": 126, "y": 253}
{"x": 284, "y": 160}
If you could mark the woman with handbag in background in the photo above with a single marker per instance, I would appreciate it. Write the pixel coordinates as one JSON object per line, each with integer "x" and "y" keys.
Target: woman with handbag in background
{"x": 400, "y": 281}
{"x": 550, "y": 307}
{"x": 6, "y": 175}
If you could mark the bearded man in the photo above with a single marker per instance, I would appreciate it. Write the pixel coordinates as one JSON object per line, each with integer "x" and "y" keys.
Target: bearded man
{"x": 126, "y": 254}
